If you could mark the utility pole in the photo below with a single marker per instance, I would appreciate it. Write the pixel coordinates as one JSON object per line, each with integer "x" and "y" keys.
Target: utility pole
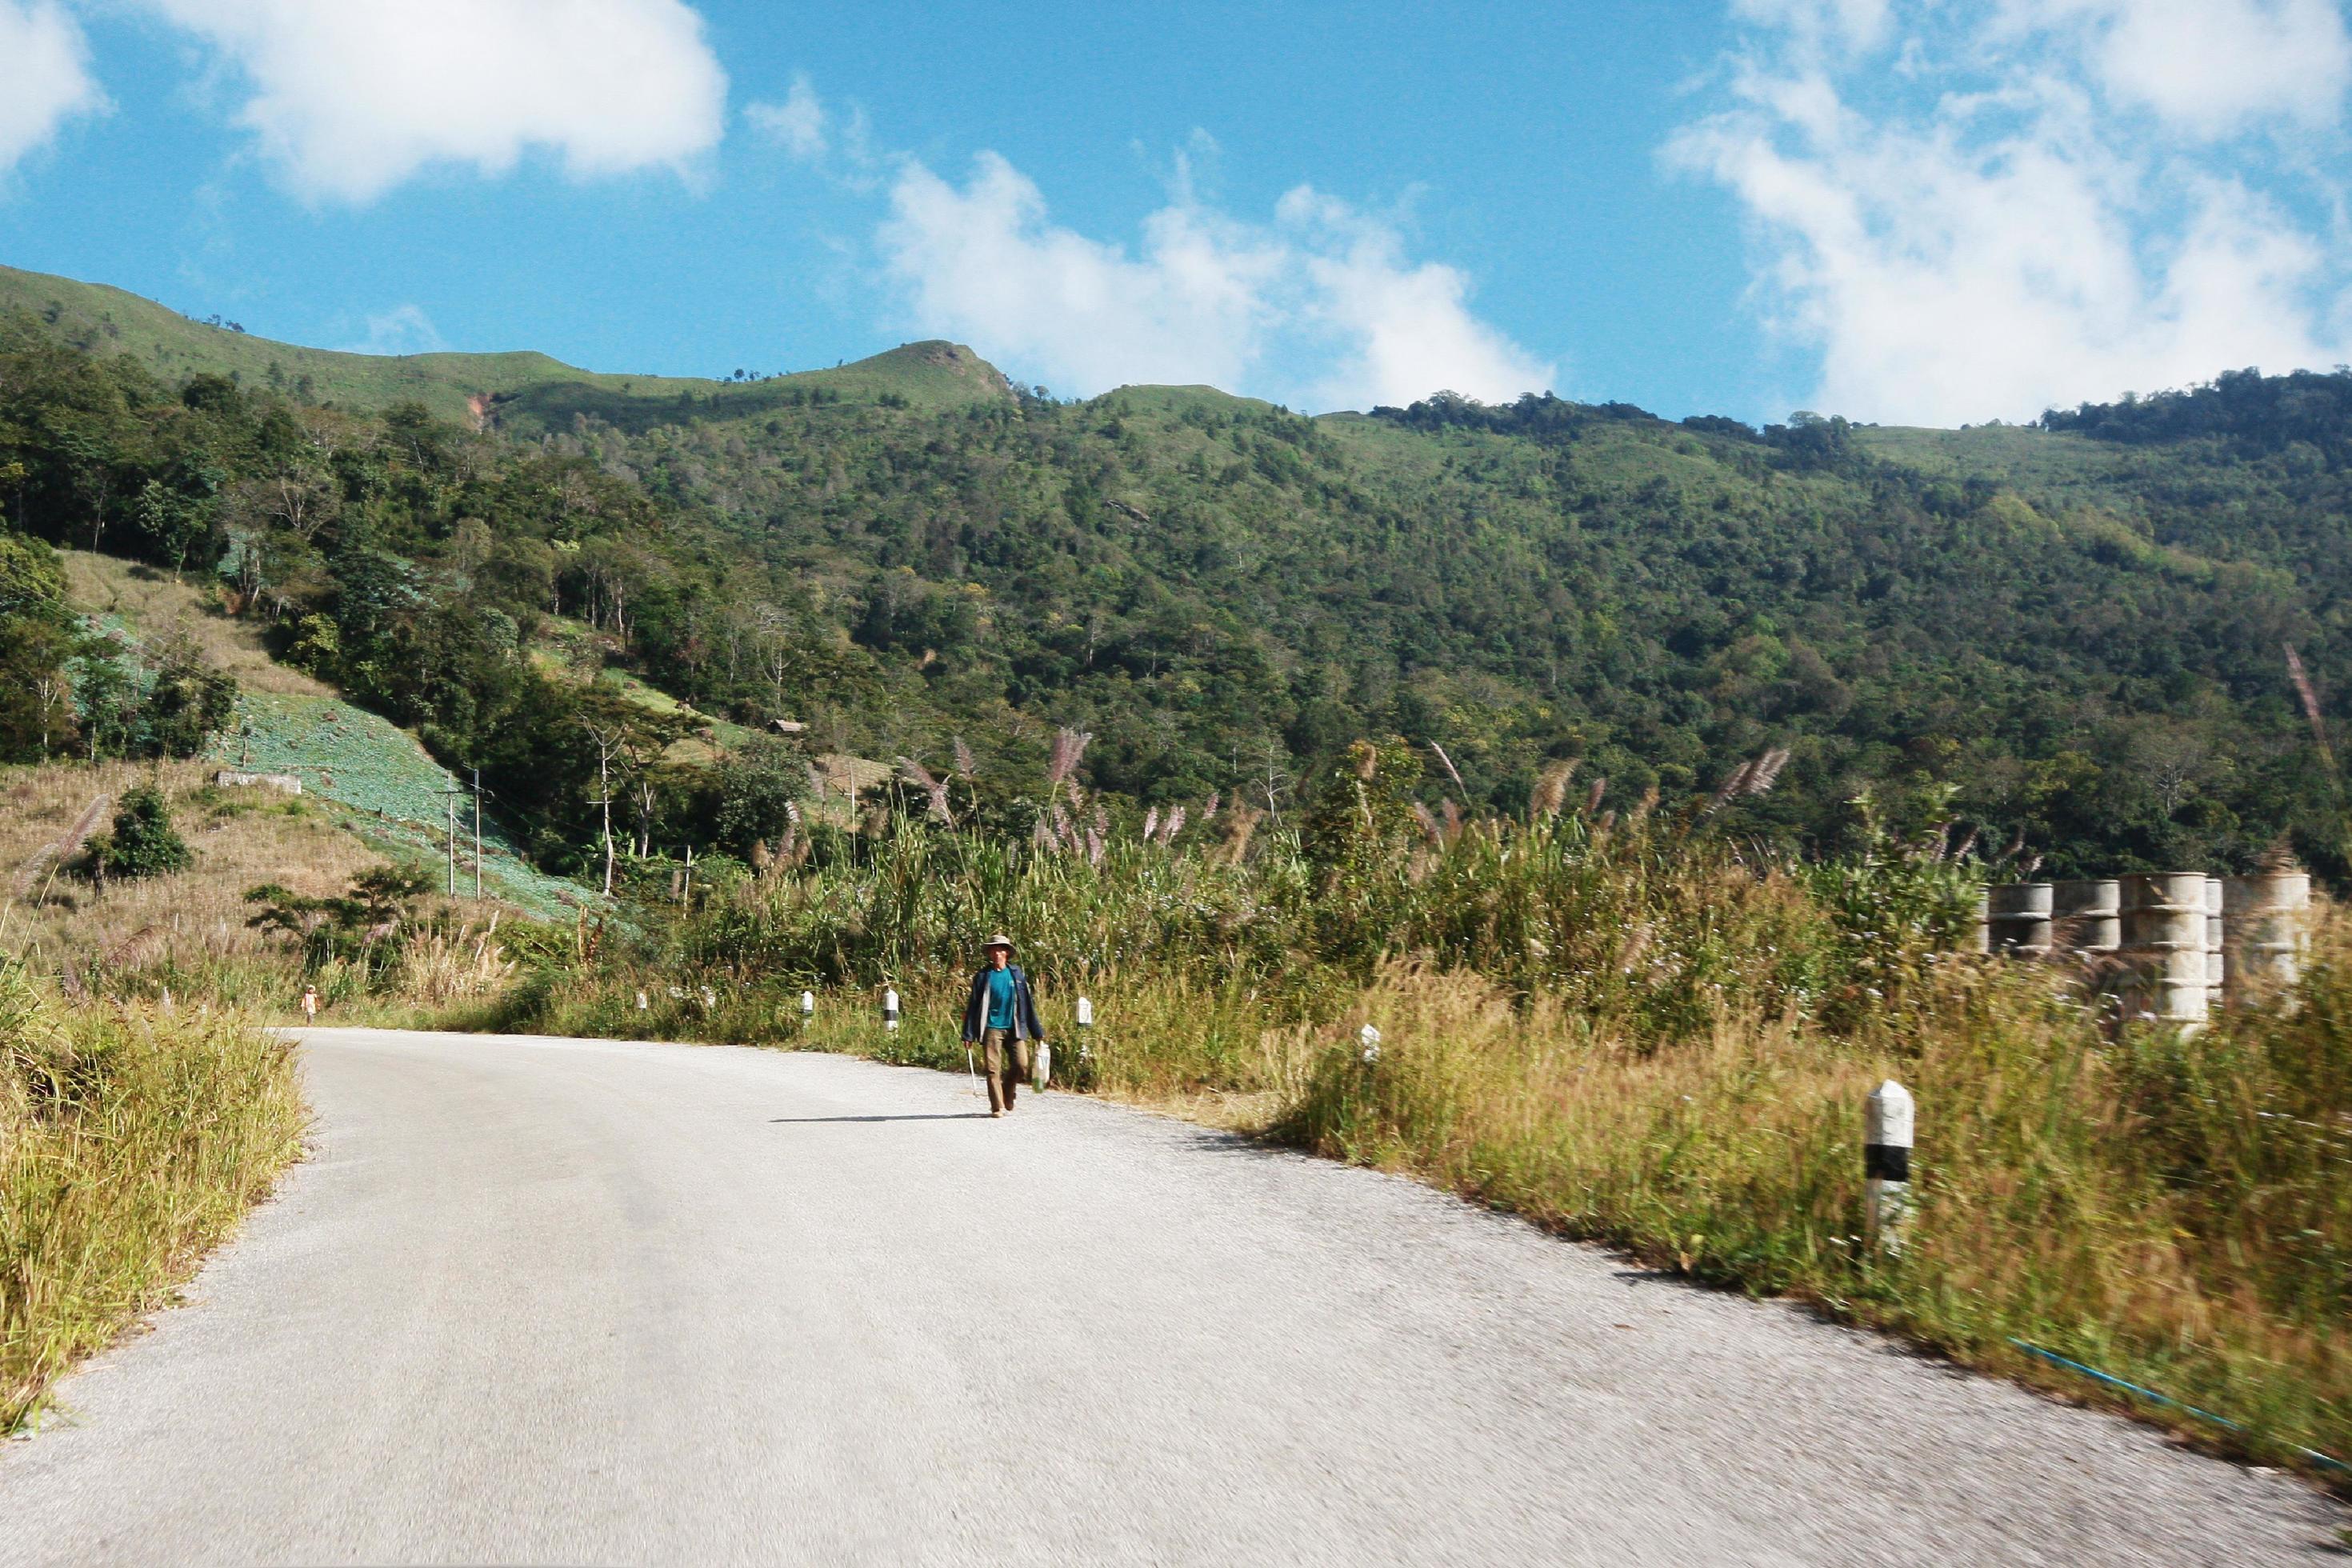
{"x": 452, "y": 794}
{"x": 477, "y": 836}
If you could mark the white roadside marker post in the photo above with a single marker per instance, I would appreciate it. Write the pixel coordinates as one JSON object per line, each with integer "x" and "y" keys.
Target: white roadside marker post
{"x": 1086, "y": 1029}
{"x": 1369, "y": 1040}
{"x": 808, "y": 1008}
{"x": 641, "y": 1003}
{"x": 890, "y": 1009}
{"x": 1886, "y": 1162}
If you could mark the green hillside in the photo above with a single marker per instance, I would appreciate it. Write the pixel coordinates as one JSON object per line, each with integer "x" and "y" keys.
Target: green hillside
{"x": 2069, "y": 638}
{"x": 525, "y": 389}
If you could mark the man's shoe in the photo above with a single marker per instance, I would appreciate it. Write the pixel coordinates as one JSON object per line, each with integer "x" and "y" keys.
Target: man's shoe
{"x": 995, "y": 1113}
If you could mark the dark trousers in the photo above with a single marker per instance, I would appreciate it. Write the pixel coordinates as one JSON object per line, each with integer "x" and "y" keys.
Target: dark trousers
{"x": 1008, "y": 1062}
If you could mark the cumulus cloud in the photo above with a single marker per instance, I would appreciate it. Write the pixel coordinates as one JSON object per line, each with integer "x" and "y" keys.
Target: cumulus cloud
{"x": 45, "y": 77}
{"x": 1204, "y": 297}
{"x": 798, "y": 122}
{"x": 2047, "y": 218}
{"x": 351, "y": 97}
{"x": 2207, "y": 65}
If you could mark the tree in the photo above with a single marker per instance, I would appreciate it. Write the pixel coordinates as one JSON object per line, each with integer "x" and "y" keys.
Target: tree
{"x": 34, "y": 642}
{"x": 186, "y": 702}
{"x": 368, "y": 918}
{"x": 144, "y": 842}
{"x": 609, "y": 735}
{"x": 105, "y": 698}
{"x": 757, "y": 788}
{"x": 169, "y": 520}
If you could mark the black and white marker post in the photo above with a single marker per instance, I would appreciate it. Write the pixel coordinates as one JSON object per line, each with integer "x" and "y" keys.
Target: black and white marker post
{"x": 890, "y": 1009}
{"x": 1086, "y": 1029}
{"x": 1886, "y": 1162}
{"x": 808, "y": 1007}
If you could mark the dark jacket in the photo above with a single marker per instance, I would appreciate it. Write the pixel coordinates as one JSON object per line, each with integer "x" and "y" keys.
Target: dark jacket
{"x": 1024, "y": 1006}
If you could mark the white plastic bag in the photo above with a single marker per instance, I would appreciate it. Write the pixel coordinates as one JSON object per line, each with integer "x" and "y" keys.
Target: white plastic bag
{"x": 1042, "y": 1066}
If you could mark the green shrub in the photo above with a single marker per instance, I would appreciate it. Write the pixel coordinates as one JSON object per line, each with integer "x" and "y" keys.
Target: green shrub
{"x": 144, "y": 843}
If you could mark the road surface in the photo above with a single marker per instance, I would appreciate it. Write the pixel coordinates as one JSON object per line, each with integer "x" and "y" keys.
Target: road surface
{"x": 584, "y": 1301}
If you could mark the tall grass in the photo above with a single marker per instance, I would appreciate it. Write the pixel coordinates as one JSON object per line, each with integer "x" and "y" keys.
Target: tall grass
{"x": 131, "y": 1140}
{"x": 1637, "y": 1035}
{"x": 2176, "y": 1212}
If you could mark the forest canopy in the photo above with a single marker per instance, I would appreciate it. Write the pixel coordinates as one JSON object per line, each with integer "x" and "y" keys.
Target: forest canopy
{"x": 2070, "y": 638}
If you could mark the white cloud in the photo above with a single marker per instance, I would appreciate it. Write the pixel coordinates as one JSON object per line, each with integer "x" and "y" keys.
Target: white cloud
{"x": 352, "y": 97}
{"x": 2206, "y": 66}
{"x": 1204, "y": 297}
{"x": 402, "y": 330}
{"x": 798, "y": 122}
{"x": 1848, "y": 24}
{"x": 2039, "y": 225}
{"x": 1407, "y": 328}
{"x": 44, "y": 76}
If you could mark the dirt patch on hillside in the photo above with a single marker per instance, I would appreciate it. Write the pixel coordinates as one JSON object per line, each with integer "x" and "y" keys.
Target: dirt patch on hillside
{"x": 154, "y": 607}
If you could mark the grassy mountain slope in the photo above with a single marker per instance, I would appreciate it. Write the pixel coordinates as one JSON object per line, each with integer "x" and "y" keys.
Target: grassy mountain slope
{"x": 2054, "y": 635}
{"x": 531, "y": 389}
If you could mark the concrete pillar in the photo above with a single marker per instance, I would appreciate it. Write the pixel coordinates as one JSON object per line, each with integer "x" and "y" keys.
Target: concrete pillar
{"x": 1983, "y": 943}
{"x": 2164, "y": 946}
{"x": 2266, "y": 924}
{"x": 890, "y": 1009}
{"x": 2018, "y": 918}
{"x": 2217, "y": 962}
{"x": 2087, "y": 918}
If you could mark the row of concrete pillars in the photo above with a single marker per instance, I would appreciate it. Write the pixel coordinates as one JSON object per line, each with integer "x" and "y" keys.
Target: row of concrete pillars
{"x": 2173, "y": 944}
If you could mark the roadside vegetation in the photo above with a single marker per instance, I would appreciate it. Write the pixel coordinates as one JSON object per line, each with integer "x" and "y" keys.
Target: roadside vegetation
{"x": 1628, "y": 1029}
{"x": 132, "y": 1140}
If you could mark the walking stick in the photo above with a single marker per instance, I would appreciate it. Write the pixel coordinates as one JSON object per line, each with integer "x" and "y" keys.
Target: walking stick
{"x": 970, "y": 1069}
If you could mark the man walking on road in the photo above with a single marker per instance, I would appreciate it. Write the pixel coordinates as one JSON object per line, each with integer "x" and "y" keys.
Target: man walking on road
{"x": 1002, "y": 1017}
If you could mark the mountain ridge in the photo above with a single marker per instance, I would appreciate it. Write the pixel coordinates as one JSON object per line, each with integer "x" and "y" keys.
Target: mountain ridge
{"x": 99, "y": 318}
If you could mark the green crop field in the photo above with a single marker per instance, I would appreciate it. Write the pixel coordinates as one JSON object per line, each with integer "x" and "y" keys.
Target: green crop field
{"x": 394, "y": 792}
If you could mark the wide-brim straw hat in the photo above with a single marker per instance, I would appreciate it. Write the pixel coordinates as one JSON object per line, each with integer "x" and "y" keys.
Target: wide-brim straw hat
{"x": 999, "y": 940}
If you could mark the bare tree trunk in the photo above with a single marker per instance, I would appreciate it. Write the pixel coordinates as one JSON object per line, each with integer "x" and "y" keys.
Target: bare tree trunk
{"x": 605, "y": 788}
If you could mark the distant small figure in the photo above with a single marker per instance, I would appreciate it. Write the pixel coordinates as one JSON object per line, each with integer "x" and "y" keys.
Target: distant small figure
{"x": 1002, "y": 1017}
{"x": 311, "y": 1003}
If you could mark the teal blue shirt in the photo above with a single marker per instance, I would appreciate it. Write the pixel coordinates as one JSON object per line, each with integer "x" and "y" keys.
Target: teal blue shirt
{"x": 1000, "y": 998}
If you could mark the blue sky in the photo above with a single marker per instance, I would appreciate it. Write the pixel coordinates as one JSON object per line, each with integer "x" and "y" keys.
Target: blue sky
{"x": 1895, "y": 209}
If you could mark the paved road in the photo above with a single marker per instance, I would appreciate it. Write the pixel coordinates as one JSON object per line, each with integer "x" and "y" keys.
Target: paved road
{"x": 580, "y": 1301}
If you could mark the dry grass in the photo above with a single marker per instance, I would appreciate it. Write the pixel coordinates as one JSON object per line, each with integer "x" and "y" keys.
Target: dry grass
{"x": 238, "y": 837}
{"x": 155, "y": 607}
{"x": 2175, "y": 1212}
{"x": 443, "y": 967}
{"x": 132, "y": 1140}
